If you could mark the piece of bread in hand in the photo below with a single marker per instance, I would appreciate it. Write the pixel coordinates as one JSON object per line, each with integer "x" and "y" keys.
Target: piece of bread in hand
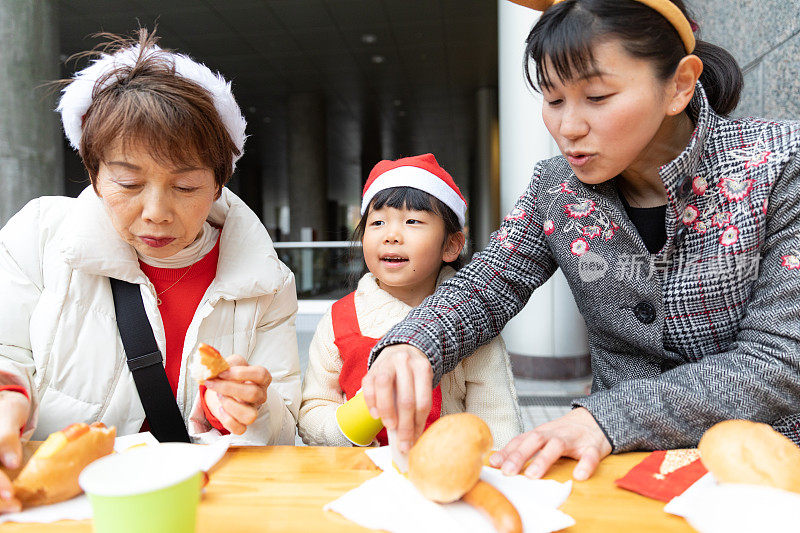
{"x": 51, "y": 474}
{"x": 740, "y": 451}
{"x": 207, "y": 363}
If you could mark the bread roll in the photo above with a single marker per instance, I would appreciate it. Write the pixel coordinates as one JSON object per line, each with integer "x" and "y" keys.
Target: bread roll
{"x": 208, "y": 363}
{"x": 52, "y": 473}
{"x": 446, "y": 461}
{"x": 739, "y": 451}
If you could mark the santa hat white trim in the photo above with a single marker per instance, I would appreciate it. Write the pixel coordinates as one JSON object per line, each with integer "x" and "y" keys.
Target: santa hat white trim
{"x": 418, "y": 178}
{"x": 77, "y": 96}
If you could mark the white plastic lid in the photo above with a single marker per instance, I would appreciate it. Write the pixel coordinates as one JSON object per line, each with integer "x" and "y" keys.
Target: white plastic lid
{"x": 140, "y": 470}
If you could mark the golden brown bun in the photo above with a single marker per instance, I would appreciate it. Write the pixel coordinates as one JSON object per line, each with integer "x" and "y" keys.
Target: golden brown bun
{"x": 52, "y": 473}
{"x": 446, "y": 461}
{"x": 739, "y": 451}
{"x": 491, "y": 502}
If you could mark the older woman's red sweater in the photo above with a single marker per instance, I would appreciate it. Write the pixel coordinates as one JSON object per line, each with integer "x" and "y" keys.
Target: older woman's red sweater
{"x": 180, "y": 297}
{"x": 181, "y": 290}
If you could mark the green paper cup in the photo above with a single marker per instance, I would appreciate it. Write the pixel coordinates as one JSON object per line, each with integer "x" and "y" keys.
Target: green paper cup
{"x": 355, "y": 422}
{"x": 152, "y": 488}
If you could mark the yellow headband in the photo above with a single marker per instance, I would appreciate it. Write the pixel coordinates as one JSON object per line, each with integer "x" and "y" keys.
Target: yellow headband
{"x": 669, "y": 10}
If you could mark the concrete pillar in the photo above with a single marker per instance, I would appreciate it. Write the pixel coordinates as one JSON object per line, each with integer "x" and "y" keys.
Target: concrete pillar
{"x": 371, "y": 147}
{"x": 308, "y": 182}
{"x": 246, "y": 182}
{"x": 547, "y": 340}
{"x": 344, "y": 171}
{"x": 31, "y": 158}
{"x": 273, "y": 150}
{"x": 486, "y": 198}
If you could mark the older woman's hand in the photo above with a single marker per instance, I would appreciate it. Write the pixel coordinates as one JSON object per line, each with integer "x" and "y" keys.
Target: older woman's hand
{"x": 574, "y": 435}
{"x": 14, "y": 408}
{"x": 235, "y": 396}
{"x": 398, "y": 390}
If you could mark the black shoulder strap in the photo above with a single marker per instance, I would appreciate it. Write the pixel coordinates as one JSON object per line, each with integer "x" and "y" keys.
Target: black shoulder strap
{"x": 146, "y": 364}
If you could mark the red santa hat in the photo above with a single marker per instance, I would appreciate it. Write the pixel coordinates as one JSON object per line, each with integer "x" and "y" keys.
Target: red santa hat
{"x": 419, "y": 172}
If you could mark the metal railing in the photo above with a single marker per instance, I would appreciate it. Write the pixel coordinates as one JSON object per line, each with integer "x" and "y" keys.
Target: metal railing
{"x": 323, "y": 270}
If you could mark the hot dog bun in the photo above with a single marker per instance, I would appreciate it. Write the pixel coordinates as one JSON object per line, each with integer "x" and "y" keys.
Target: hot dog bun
{"x": 51, "y": 475}
{"x": 208, "y": 363}
{"x": 491, "y": 502}
{"x": 446, "y": 461}
{"x": 739, "y": 451}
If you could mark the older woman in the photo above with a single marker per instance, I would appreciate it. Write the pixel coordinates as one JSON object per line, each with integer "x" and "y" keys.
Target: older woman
{"x": 159, "y": 135}
{"x": 696, "y": 217}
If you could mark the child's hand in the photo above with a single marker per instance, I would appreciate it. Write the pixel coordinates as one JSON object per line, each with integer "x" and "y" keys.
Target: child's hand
{"x": 235, "y": 396}
{"x": 398, "y": 390}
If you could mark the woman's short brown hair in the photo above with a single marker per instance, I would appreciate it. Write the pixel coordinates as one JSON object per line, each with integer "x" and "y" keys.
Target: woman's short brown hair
{"x": 148, "y": 103}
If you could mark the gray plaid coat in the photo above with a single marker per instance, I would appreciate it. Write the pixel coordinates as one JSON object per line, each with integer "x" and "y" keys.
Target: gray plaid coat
{"x": 706, "y": 329}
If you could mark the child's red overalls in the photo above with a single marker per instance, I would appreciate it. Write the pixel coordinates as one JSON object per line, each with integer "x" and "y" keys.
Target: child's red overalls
{"x": 354, "y": 350}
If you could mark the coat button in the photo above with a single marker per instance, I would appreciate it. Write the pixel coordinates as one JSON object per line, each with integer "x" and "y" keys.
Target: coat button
{"x": 645, "y": 312}
{"x": 686, "y": 187}
{"x": 680, "y": 235}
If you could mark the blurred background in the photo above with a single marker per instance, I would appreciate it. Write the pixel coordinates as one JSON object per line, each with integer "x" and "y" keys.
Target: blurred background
{"x": 329, "y": 88}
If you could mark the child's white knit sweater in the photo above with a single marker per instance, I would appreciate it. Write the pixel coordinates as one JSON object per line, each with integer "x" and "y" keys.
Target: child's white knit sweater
{"x": 481, "y": 384}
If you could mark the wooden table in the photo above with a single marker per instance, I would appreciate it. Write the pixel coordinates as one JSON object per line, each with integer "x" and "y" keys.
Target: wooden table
{"x": 283, "y": 488}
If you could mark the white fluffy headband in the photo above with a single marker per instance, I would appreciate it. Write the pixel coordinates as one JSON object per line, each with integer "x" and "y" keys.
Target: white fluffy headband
{"x": 77, "y": 96}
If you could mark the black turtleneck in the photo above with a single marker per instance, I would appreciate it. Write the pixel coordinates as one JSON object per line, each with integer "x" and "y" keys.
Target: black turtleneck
{"x": 649, "y": 222}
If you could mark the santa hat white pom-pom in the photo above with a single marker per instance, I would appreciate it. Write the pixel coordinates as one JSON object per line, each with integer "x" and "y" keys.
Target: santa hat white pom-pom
{"x": 77, "y": 96}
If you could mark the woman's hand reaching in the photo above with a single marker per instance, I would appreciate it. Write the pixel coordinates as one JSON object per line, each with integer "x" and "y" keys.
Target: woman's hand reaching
{"x": 398, "y": 390}
{"x": 574, "y": 435}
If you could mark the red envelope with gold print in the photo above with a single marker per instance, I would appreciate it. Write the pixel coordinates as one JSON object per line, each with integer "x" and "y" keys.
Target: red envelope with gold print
{"x": 664, "y": 474}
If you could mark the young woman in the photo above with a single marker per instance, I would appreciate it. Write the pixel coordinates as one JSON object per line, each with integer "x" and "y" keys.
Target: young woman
{"x": 695, "y": 216}
{"x": 411, "y": 233}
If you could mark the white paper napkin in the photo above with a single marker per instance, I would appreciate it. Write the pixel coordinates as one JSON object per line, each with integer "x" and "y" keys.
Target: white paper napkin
{"x": 712, "y": 507}
{"x": 79, "y": 508}
{"x": 392, "y": 503}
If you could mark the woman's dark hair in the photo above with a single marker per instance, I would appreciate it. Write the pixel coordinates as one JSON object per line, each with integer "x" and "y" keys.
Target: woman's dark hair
{"x": 417, "y": 200}
{"x": 566, "y": 33}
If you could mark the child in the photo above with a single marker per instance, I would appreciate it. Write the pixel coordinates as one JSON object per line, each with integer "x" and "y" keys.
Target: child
{"x": 412, "y": 232}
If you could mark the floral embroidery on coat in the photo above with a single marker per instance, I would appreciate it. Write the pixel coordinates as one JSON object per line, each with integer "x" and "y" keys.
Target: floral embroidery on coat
{"x": 721, "y": 220}
{"x": 690, "y": 214}
{"x": 791, "y": 261}
{"x": 515, "y": 214}
{"x": 734, "y": 194}
{"x": 502, "y": 237}
{"x": 582, "y": 209}
{"x": 591, "y": 231}
{"x": 729, "y": 236}
{"x": 584, "y": 218}
{"x": 699, "y": 185}
{"x": 752, "y": 156}
{"x": 579, "y": 247}
{"x": 735, "y": 189}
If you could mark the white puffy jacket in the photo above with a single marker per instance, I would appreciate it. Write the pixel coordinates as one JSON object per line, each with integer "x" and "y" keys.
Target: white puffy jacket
{"x": 58, "y": 330}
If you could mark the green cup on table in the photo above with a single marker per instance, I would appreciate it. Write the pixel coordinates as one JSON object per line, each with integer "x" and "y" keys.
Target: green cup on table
{"x": 150, "y": 488}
